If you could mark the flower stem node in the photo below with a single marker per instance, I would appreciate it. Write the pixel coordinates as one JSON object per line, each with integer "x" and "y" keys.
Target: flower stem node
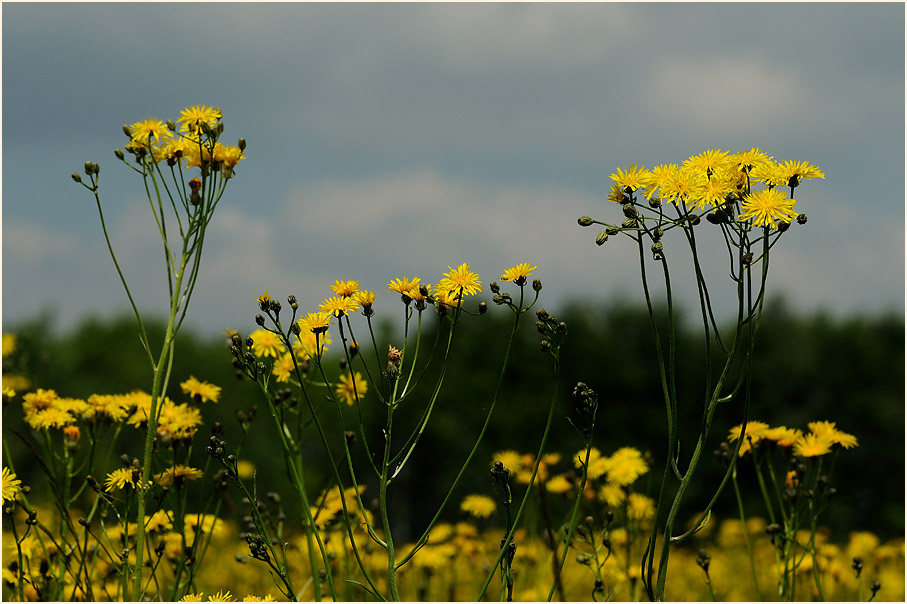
{"x": 584, "y": 221}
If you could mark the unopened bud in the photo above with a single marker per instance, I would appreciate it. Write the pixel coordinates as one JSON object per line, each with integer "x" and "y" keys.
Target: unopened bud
{"x": 171, "y": 126}
{"x": 536, "y": 285}
{"x": 629, "y": 223}
{"x": 76, "y": 177}
{"x": 584, "y": 221}
{"x": 612, "y": 230}
{"x": 630, "y": 211}
{"x": 127, "y": 131}
{"x": 241, "y": 143}
{"x": 483, "y": 308}
{"x": 119, "y": 154}
{"x": 801, "y": 219}
{"x": 601, "y": 239}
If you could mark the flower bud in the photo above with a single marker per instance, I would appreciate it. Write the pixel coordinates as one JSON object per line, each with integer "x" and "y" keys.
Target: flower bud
{"x": 76, "y": 177}
{"x": 801, "y": 219}
{"x": 630, "y": 211}
{"x": 260, "y": 320}
{"x": 291, "y": 300}
{"x": 89, "y": 168}
{"x": 241, "y": 144}
{"x": 612, "y": 230}
{"x": 584, "y": 221}
{"x": 127, "y": 131}
{"x": 655, "y": 202}
{"x": 629, "y": 223}
{"x": 601, "y": 239}
{"x": 494, "y": 287}
{"x": 536, "y": 285}
{"x": 483, "y": 308}
{"x": 119, "y": 154}
{"x": 783, "y": 226}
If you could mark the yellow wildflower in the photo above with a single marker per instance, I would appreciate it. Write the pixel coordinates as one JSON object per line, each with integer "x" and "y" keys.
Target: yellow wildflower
{"x": 11, "y": 486}
{"x": 479, "y": 506}
{"x": 350, "y": 389}
{"x": 200, "y": 391}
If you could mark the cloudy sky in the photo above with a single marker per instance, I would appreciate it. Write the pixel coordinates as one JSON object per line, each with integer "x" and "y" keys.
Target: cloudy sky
{"x": 399, "y": 139}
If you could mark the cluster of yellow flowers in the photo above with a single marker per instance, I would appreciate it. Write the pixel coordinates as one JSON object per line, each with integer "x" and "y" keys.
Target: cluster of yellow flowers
{"x": 707, "y": 180}
{"x": 313, "y": 338}
{"x": 190, "y": 141}
{"x": 822, "y": 438}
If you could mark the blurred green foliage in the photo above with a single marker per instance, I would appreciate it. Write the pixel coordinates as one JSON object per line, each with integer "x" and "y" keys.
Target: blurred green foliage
{"x": 850, "y": 371}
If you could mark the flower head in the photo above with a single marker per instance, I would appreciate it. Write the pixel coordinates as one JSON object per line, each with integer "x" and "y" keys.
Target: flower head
{"x": 350, "y": 389}
{"x": 401, "y": 286}
{"x": 765, "y": 206}
{"x": 151, "y": 129}
{"x": 625, "y": 465}
{"x": 192, "y": 118}
{"x": 200, "y": 391}
{"x": 479, "y": 506}
{"x": 9, "y": 344}
{"x": 339, "y": 306}
{"x": 266, "y": 343}
{"x": 708, "y": 162}
{"x": 345, "y": 288}
{"x": 315, "y": 322}
{"x": 518, "y": 273}
{"x": 177, "y": 474}
{"x": 462, "y": 280}
{"x": 632, "y": 178}
{"x": 121, "y": 478}
{"x": 813, "y": 445}
{"x": 12, "y": 486}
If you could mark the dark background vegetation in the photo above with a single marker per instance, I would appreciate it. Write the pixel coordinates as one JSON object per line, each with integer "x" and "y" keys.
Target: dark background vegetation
{"x": 848, "y": 370}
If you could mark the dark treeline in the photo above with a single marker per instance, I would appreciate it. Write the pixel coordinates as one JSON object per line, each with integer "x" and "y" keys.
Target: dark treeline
{"x": 850, "y": 371}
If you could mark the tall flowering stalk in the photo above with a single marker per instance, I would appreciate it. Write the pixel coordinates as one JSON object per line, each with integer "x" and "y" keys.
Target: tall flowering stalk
{"x": 184, "y": 170}
{"x": 298, "y": 351}
{"x": 743, "y": 196}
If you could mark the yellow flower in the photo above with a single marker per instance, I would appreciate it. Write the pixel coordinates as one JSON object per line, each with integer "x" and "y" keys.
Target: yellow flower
{"x": 200, "y": 391}
{"x": 479, "y": 506}
{"x": 339, "y": 306}
{"x": 462, "y": 280}
{"x": 352, "y": 389}
{"x": 612, "y": 494}
{"x": 365, "y": 298}
{"x": 284, "y": 367}
{"x": 345, "y": 288}
{"x": 177, "y": 474}
{"x": 754, "y": 431}
{"x": 193, "y": 597}
{"x": 747, "y": 160}
{"x": 783, "y": 436}
{"x": 113, "y": 407}
{"x": 559, "y": 485}
{"x": 121, "y": 478}
{"x": 765, "y": 206}
{"x": 633, "y": 178}
{"x": 828, "y": 430}
{"x": 263, "y": 299}
{"x": 245, "y": 469}
{"x": 659, "y": 176}
{"x": 251, "y": 598}
{"x": 193, "y": 117}
{"x": 792, "y": 173}
{"x": 221, "y": 596}
{"x": 401, "y": 286}
{"x": 53, "y": 417}
{"x": 813, "y": 445}
{"x": 149, "y": 129}
{"x": 315, "y": 322}
{"x": 625, "y": 465}
{"x": 684, "y": 185}
{"x": 598, "y": 464}
{"x": 9, "y": 344}
{"x": 266, "y": 343}
{"x": 640, "y": 507}
{"x": 708, "y": 162}
{"x": 518, "y": 273}
{"x": 11, "y": 486}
